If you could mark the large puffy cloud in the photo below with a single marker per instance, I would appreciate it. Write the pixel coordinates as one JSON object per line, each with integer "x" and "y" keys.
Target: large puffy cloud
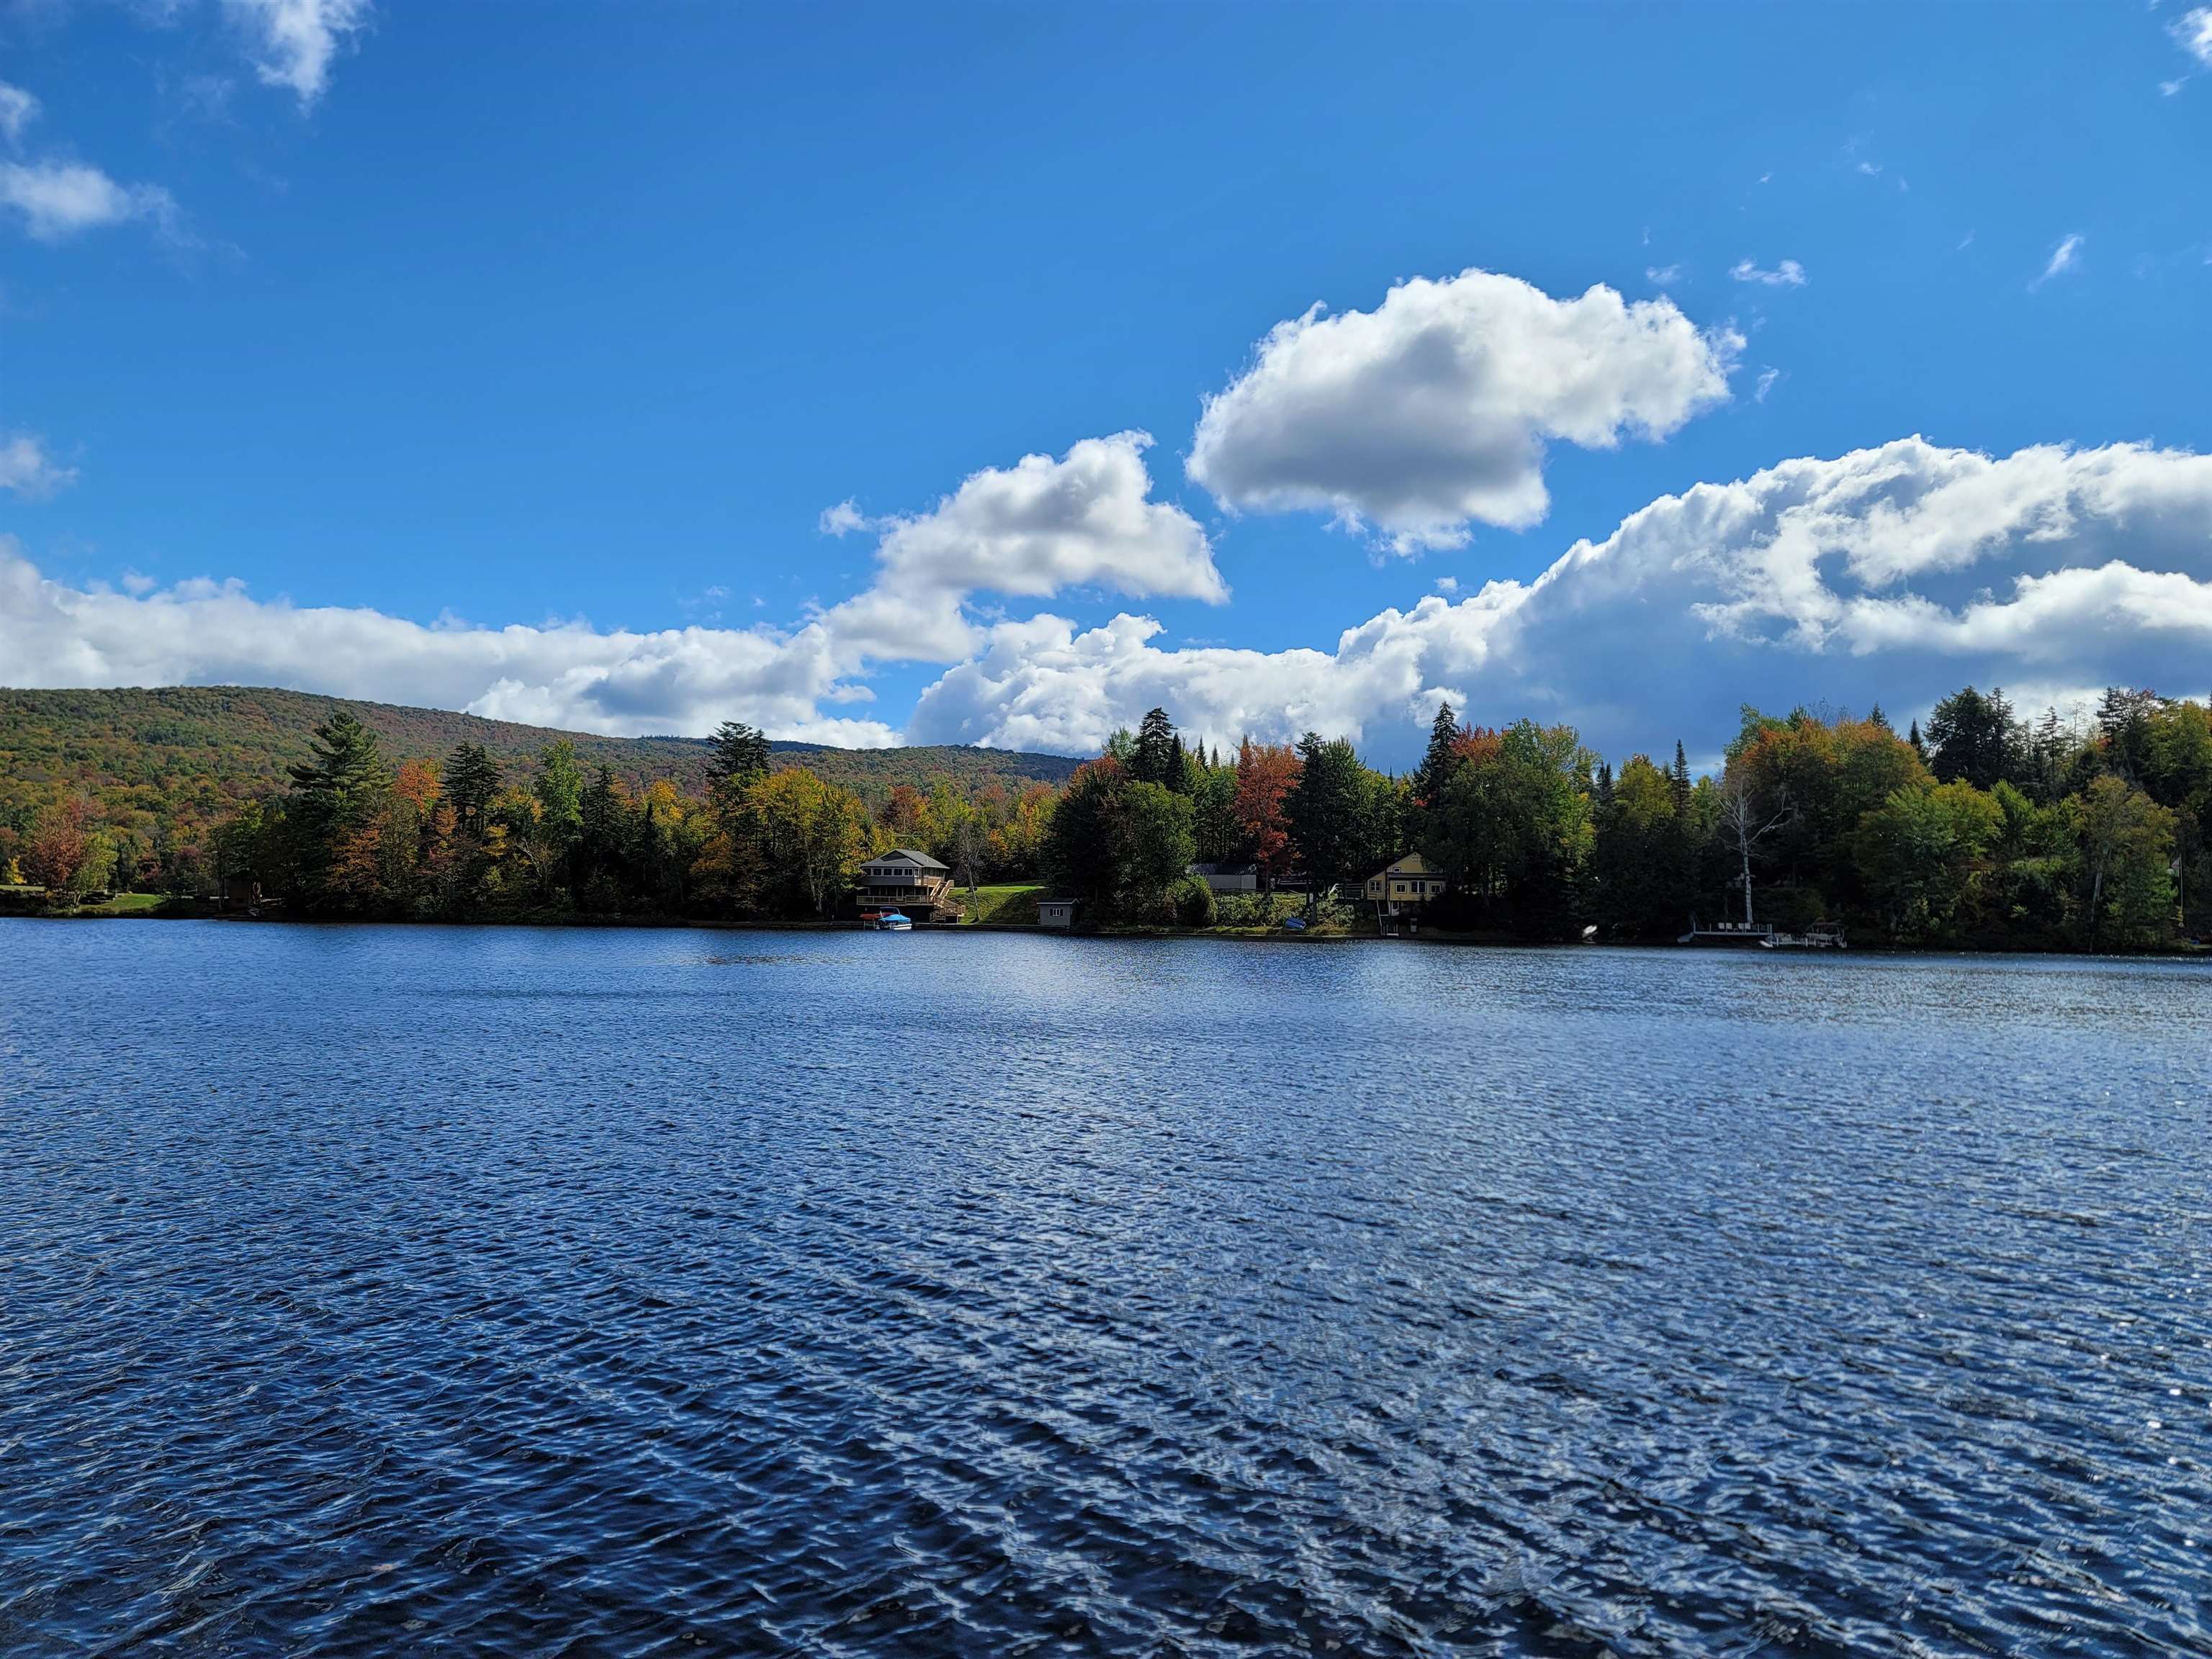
{"x": 1432, "y": 411}
{"x": 1893, "y": 574}
{"x": 1085, "y": 519}
{"x": 1034, "y": 528}
{"x": 1888, "y": 574}
{"x": 679, "y": 680}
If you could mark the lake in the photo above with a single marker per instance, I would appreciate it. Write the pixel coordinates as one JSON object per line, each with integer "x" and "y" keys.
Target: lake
{"x": 370, "y": 1291}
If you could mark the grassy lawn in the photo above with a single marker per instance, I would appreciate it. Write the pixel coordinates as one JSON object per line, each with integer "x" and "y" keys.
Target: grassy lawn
{"x": 126, "y": 904}
{"x": 123, "y": 904}
{"x": 1014, "y": 903}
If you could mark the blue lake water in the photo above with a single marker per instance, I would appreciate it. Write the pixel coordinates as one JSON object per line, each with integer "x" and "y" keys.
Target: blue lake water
{"x": 370, "y": 1291}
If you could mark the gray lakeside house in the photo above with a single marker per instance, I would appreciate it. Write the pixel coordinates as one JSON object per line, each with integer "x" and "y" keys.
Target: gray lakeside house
{"x": 904, "y": 880}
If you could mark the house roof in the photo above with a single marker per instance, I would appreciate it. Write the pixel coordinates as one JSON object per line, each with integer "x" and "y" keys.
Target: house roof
{"x": 908, "y": 855}
{"x": 1223, "y": 869}
{"x": 1412, "y": 864}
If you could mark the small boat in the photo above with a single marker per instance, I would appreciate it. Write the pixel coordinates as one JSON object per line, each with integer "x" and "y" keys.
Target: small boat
{"x": 890, "y": 921}
{"x": 1821, "y": 936}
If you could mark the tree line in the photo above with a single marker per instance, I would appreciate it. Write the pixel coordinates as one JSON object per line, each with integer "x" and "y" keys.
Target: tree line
{"x": 356, "y": 834}
{"x": 1984, "y": 830}
{"x": 152, "y": 771}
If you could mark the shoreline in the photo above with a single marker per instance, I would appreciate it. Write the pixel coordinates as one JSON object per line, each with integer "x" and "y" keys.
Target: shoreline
{"x": 2182, "y": 952}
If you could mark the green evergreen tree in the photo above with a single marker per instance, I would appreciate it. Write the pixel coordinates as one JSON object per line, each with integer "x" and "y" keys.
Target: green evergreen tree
{"x": 346, "y": 777}
{"x": 1178, "y": 777}
{"x": 472, "y": 782}
{"x": 1436, "y": 767}
{"x": 338, "y": 794}
{"x": 740, "y": 754}
{"x": 600, "y": 825}
{"x": 1154, "y": 755}
{"x": 2123, "y": 721}
{"x": 1973, "y": 739}
{"x": 1328, "y": 812}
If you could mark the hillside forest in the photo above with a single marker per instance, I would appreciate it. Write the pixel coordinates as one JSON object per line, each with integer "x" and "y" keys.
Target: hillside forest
{"x": 1981, "y": 831}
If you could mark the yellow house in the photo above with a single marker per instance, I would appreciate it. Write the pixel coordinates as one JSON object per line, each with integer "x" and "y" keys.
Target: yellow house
{"x": 1408, "y": 884}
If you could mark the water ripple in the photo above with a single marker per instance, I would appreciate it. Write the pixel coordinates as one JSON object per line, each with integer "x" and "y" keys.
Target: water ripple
{"x": 458, "y": 1292}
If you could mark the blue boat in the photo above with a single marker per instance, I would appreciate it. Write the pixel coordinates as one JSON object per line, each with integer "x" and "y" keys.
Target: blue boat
{"x": 892, "y": 922}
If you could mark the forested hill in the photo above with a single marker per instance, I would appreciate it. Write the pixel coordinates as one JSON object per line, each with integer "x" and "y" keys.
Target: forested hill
{"x": 205, "y": 749}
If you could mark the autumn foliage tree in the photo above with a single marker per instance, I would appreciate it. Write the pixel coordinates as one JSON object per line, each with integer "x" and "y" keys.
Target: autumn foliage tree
{"x": 1266, "y": 774}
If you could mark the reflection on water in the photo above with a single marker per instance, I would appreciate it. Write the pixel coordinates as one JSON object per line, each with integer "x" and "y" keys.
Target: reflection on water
{"x": 372, "y": 1291}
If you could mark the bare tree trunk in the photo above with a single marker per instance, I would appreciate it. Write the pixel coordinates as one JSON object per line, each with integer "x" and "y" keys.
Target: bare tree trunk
{"x": 1740, "y": 817}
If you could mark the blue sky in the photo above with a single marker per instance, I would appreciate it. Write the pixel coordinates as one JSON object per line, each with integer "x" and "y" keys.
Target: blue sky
{"x": 508, "y": 358}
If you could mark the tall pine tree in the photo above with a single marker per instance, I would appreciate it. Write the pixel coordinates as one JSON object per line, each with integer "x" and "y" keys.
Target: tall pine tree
{"x": 472, "y": 782}
{"x": 1436, "y": 767}
{"x": 1154, "y": 755}
{"x": 740, "y": 754}
{"x": 345, "y": 781}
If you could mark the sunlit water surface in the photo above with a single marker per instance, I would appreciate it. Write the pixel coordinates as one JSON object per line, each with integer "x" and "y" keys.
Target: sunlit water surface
{"x": 413, "y": 1291}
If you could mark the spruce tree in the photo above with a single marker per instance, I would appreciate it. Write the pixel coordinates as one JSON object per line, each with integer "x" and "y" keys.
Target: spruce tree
{"x": 472, "y": 782}
{"x": 1328, "y": 809}
{"x": 1436, "y": 767}
{"x": 599, "y": 842}
{"x": 740, "y": 754}
{"x": 338, "y": 792}
{"x": 1975, "y": 740}
{"x": 1154, "y": 755}
{"x": 1678, "y": 781}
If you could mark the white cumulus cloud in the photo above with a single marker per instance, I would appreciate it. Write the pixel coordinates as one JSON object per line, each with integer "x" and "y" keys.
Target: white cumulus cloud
{"x": 1892, "y": 575}
{"x": 295, "y": 41}
{"x": 57, "y": 199}
{"x": 1082, "y": 519}
{"x": 569, "y": 675}
{"x": 1085, "y": 520}
{"x": 1431, "y": 412}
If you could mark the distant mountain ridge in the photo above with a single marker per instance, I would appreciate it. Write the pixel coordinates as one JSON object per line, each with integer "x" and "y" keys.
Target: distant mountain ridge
{"x": 210, "y": 747}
